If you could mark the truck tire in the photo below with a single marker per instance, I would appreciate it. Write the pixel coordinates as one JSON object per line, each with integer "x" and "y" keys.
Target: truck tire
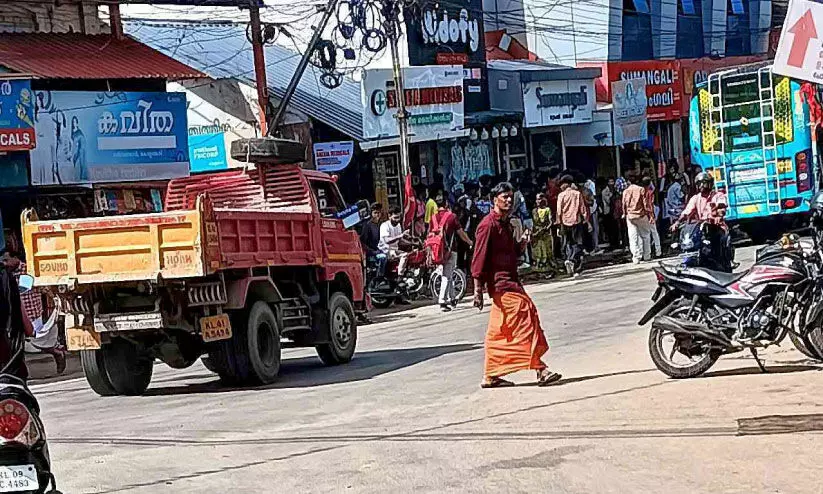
{"x": 95, "y": 371}
{"x": 128, "y": 366}
{"x": 342, "y": 332}
{"x": 252, "y": 355}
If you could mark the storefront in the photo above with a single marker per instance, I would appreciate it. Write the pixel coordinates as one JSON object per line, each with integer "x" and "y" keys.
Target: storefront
{"x": 434, "y": 101}
{"x": 551, "y": 99}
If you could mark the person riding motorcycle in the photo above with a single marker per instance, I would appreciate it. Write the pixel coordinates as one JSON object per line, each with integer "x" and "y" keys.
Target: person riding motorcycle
{"x": 709, "y": 206}
{"x": 370, "y": 239}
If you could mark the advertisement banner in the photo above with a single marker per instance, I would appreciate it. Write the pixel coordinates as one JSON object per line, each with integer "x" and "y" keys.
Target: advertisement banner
{"x": 664, "y": 87}
{"x": 207, "y": 152}
{"x": 549, "y": 103}
{"x": 629, "y": 111}
{"x": 333, "y": 156}
{"x": 16, "y": 116}
{"x": 434, "y": 101}
{"x": 95, "y": 137}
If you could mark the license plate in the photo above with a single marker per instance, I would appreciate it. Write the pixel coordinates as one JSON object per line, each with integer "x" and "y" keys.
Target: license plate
{"x": 215, "y": 328}
{"x": 18, "y": 478}
{"x": 82, "y": 339}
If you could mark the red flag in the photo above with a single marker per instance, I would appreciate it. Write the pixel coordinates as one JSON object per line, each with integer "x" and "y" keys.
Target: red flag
{"x": 410, "y": 205}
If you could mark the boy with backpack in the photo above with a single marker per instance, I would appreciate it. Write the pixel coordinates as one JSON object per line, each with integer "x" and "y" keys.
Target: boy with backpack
{"x": 440, "y": 244}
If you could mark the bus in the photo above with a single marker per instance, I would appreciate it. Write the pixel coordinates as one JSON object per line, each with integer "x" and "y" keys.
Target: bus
{"x": 750, "y": 129}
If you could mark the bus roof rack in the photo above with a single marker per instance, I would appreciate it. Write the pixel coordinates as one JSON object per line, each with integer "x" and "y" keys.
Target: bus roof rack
{"x": 744, "y": 69}
{"x": 268, "y": 150}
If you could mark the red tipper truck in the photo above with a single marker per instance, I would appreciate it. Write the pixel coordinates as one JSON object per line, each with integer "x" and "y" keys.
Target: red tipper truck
{"x": 240, "y": 264}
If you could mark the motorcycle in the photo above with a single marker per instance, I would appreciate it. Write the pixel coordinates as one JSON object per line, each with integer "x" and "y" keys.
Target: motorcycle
{"x": 419, "y": 279}
{"x": 25, "y": 465}
{"x": 697, "y": 249}
{"x": 705, "y": 314}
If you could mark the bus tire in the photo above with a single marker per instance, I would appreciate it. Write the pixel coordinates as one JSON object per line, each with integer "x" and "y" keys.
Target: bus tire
{"x": 342, "y": 329}
{"x": 129, "y": 366}
{"x": 95, "y": 371}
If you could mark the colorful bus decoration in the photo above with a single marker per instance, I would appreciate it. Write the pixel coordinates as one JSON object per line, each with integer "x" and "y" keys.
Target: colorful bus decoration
{"x": 750, "y": 128}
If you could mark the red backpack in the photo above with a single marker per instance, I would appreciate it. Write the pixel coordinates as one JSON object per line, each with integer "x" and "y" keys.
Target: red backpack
{"x": 437, "y": 245}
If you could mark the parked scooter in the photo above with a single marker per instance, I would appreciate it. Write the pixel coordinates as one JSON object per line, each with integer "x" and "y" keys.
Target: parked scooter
{"x": 25, "y": 465}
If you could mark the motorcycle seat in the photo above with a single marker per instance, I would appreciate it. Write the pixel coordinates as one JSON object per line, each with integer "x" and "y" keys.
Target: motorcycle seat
{"x": 719, "y": 277}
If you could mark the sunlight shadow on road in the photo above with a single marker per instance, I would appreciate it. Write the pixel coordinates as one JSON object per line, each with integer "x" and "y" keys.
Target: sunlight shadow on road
{"x": 309, "y": 371}
{"x": 780, "y": 424}
{"x": 580, "y": 379}
{"x": 777, "y": 369}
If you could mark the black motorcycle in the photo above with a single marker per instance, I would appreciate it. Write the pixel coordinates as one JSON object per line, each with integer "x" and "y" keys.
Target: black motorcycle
{"x": 703, "y": 314}
{"x": 25, "y": 466}
{"x": 704, "y": 245}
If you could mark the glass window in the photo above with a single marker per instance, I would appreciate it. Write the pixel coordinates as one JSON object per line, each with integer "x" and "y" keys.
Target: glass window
{"x": 329, "y": 201}
{"x": 687, "y": 7}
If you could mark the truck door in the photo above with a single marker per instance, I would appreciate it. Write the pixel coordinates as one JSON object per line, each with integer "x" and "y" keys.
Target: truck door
{"x": 339, "y": 245}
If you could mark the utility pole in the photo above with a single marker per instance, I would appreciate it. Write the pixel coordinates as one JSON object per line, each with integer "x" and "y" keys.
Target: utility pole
{"x": 259, "y": 67}
{"x": 392, "y": 20}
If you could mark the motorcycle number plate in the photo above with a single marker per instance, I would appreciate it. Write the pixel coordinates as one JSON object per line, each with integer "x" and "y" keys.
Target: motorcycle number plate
{"x": 82, "y": 339}
{"x": 215, "y": 328}
{"x": 18, "y": 478}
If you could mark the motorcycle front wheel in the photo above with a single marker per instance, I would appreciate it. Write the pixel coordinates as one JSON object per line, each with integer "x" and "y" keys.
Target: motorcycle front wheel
{"x": 686, "y": 357}
{"x": 376, "y": 288}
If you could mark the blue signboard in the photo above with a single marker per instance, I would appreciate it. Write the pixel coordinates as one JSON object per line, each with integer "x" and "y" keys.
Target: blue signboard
{"x": 96, "y": 137}
{"x": 208, "y": 152}
{"x": 16, "y": 116}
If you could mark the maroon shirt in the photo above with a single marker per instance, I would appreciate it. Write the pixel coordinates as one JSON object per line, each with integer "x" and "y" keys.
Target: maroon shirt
{"x": 495, "y": 255}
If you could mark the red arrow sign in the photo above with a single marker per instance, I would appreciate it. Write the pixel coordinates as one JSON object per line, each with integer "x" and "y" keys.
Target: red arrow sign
{"x": 804, "y": 30}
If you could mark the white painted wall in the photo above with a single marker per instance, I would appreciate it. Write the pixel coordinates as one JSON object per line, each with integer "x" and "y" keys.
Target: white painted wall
{"x": 21, "y": 16}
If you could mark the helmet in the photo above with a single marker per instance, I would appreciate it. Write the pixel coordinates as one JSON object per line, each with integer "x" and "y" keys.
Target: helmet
{"x": 704, "y": 177}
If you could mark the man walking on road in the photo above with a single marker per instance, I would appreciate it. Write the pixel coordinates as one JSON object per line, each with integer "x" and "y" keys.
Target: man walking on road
{"x": 573, "y": 216}
{"x": 637, "y": 212}
{"x": 514, "y": 339}
{"x": 444, "y": 223}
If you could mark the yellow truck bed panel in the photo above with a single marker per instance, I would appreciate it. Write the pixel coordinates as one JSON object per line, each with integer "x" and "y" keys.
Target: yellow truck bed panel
{"x": 115, "y": 248}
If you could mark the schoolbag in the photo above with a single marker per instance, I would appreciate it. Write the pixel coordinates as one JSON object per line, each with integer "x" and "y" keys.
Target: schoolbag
{"x": 437, "y": 245}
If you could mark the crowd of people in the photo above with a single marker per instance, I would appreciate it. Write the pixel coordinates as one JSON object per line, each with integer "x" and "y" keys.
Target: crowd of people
{"x": 567, "y": 214}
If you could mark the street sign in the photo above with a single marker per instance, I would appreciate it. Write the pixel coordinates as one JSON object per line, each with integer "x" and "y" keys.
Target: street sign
{"x": 799, "y": 53}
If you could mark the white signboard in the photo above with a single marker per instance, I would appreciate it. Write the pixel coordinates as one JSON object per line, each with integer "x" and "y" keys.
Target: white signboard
{"x": 333, "y": 156}
{"x": 629, "y": 110}
{"x": 548, "y": 103}
{"x": 434, "y": 101}
{"x": 799, "y": 53}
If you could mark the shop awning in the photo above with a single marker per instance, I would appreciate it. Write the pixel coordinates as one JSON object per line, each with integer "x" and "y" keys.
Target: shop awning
{"x": 542, "y": 71}
{"x": 80, "y": 56}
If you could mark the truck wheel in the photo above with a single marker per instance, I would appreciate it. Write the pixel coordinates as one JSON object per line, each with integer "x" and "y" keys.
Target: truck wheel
{"x": 129, "y": 367}
{"x": 342, "y": 332}
{"x": 95, "y": 371}
{"x": 262, "y": 346}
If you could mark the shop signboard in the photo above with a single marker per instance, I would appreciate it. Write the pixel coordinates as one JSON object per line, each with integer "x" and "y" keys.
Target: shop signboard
{"x": 207, "y": 152}
{"x": 696, "y": 70}
{"x": 333, "y": 156}
{"x": 96, "y": 137}
{"x": 16, "y": 116}
{"x": 629, "y": 111}
{"x": 664, "y": 87}
{"x": 451, "y": 32}
{"x": 549, "y": 103}
{"x": 434, "y": 100}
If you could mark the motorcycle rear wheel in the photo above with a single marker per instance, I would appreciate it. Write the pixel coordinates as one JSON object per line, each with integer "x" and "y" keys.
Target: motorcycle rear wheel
{"x": 664, "y": 360}
{"x": 804, "y": 346}
{"x": 815, "y": 340}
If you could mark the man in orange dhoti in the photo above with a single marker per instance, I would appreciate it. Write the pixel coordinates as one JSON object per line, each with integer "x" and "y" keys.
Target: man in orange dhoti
{"x": 514, "y": 340}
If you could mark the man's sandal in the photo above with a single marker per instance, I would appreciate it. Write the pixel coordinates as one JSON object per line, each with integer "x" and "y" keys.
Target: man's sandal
{"x": 496, "y": 382}
{"x": 547, "y": 377}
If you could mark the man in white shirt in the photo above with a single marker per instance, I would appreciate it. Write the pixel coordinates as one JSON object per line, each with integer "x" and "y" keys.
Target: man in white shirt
{"x": 391, "y": 232}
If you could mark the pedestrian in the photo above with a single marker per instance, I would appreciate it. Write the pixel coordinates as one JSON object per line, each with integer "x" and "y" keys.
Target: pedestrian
{"x": 514, "y": 339}
{"x": 674, "y": 202}
{"x": 657, "y": 247}
{"x": 573, "y": 217}
{"x": 542, "y": 242}
{"x": 637, "y": 211}
{"x": 431, "y": 203}
{"x": 444, "y": 224}
{"x": 609, "y": 197}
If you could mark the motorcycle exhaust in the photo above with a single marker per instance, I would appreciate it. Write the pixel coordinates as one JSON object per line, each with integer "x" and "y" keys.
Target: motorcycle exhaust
{"x": 690, "y": 328}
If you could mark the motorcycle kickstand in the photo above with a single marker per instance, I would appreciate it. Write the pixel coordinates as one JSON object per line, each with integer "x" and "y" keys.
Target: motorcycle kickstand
{"x": 757, "y": 359}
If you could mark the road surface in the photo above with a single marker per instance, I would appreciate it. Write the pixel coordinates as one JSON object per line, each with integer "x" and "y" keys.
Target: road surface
{"x": 407, "y": 415}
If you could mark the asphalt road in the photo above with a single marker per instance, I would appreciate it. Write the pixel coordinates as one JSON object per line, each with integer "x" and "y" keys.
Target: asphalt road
{"x": 407, "y": 415}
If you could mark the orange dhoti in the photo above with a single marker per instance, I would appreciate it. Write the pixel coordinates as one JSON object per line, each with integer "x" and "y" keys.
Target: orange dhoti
{"x": 514, "y": 340}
